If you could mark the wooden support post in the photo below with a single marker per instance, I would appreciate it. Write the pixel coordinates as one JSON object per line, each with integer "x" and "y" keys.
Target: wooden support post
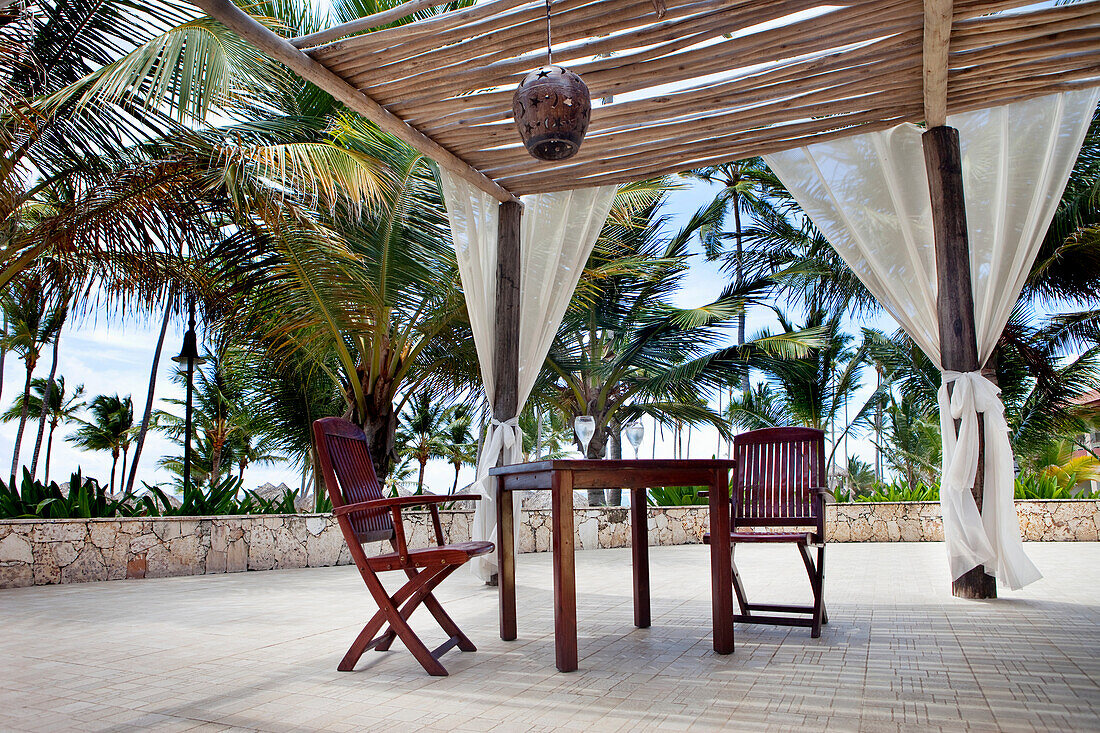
{"x": 506, "y": 351}
{"x": 955, "y": 298}
{"x": 506, "y": 562}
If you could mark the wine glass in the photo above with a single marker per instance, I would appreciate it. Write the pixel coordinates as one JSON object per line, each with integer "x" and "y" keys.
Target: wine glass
{"x": 635, "y": 431}
{"x": 585, "y": 425}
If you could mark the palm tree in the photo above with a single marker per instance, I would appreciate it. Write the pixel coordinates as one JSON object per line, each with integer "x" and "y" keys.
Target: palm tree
{"x": 422, "y": 433}
{"x": 63, "y": 306}
{"x": 147, "y": 413}
{"x": 285, "y": 397}
{"x": 745, "y": 185}
{"x": 33, "y": 321}
{"x": 109, "y": 429}
{"x": 624, "y": 351}
{"x": 60, "y": 409}
{"x": 546, "y": 435}
{"x": 383, "y": 316}
{"x": 911, "y": 441}
{"x": 812, "y": 389}
{"x": 221, "y": 420}
{"x": 459, "y": 446}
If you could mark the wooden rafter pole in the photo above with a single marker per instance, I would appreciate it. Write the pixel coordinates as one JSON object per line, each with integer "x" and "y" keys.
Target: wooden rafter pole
{"x": 297, "y": 61}
{"x": 954, "y": 295}
{"x": 366, "y": 23}
{"x": 937, "y": 47}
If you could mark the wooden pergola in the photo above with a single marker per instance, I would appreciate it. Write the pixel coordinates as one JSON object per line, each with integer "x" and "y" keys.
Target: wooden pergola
{"x": 698, "y": 83}
{"x": 680, "y": 84}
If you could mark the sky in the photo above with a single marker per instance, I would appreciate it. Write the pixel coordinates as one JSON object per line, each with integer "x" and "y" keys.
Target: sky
{"x": 111, "y": 355}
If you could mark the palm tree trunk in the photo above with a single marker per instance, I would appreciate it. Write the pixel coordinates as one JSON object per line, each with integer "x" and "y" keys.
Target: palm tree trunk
{"x": 454, "y": 486}
{"x": 114, "y": 463}
{"x": 3, "y": 355}
{"x": 22, "y": 424}
{"x": 538, "y": 435}
{"x": 318, "y": 483}
{"x": 49, "y": 448}
{"x": 149, "y": 397}
{"x": 597, "y": 497}
{"x": 122, "y": 478}
{"x": 739, "y": 273}
{"x": 615, "y": 452}
{"x": 47, "y": 398}
{"x": 420, "y": 477}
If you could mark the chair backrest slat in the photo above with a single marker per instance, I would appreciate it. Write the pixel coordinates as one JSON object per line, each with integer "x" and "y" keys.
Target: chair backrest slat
{"x": 776, "y": 470}
{"x": 346, "y": 465}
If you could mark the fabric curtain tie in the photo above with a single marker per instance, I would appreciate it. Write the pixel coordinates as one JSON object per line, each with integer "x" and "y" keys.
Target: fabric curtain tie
{"x": 991, "y": 536}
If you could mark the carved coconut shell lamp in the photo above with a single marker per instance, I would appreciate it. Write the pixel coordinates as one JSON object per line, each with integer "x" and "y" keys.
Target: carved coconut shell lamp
{"x": 552, "y": 108}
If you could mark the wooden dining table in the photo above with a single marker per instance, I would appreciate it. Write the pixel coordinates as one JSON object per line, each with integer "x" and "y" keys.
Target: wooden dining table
{"x": 561, "y": 478}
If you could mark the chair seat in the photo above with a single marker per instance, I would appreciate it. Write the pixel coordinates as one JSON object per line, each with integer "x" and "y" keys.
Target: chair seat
{"x": 455, "y": 554}
{"x": 805, "y": 538}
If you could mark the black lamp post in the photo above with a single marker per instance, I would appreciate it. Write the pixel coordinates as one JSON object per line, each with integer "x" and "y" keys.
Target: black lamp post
{"x": 189, "y": 355}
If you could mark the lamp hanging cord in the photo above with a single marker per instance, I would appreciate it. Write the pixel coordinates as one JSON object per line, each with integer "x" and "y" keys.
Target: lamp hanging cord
{"x": 549, "y": 53}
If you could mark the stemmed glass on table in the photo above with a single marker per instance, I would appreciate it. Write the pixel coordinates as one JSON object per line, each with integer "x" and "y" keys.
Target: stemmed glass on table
{"x": 635, "y": 431}
{"x": 585, "y": 425}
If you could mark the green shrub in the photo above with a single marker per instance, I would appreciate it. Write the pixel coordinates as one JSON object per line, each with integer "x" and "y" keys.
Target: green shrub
{"x": 1049, "y": 486}
{"x": 897, "y": 490}
{"x": 86, "y": 499}
{"x": 676, "y": 496}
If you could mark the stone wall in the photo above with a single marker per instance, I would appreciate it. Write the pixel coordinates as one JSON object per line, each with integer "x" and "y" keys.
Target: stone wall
{"x": 41, "y": 552}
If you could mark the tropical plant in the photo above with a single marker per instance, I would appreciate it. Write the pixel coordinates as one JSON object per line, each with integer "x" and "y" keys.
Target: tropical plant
{"x": 812, "y": 389}
{"x": 745, "y": 188}
{"x": 285, "y": 397}
{"x": 897, "y": 490}
{"x": 459, "y": 446}
{"x": 676, "y": 496}
{"x": 60, "y": 409}
{"x": 1061, "y": 461}
{"x": 220, "y": 421}
{"x": 198, "y": 501}
{"x": 109, "y": 429}
{"x": 546, "y": 434}
{"x": 624, "y": 351}
{"x": 1032, "y": 485}
{"x": 858, "y": 477}
{"x": 84, "y": 498}
{"x": 422, "y": 434}
{"x": 34, "y": 320}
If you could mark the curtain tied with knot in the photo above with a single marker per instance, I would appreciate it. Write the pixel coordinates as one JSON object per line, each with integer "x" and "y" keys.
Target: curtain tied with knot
{"x": 557, "y": 233}
{"x": 868, "y": 194}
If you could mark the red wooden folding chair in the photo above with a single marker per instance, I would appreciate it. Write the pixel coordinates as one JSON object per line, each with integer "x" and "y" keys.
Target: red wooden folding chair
{"x": 780, "y": 483}
{"x": 365, "y": 515}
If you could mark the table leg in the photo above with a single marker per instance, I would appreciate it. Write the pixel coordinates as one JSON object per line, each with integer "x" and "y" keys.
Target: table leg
{"x": 639, "y": 551}
{"x": 565, "y": 579}
{"x": 721, "y": 564}
{"x": 506, "y": 563}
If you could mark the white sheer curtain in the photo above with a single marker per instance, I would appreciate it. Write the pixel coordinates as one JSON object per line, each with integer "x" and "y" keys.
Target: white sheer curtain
{"x": 868, "y": 194}
{"x": 557, "y": 233}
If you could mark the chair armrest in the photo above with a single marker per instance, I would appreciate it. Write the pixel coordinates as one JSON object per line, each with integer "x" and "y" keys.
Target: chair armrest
{"x": 823, "y": 491}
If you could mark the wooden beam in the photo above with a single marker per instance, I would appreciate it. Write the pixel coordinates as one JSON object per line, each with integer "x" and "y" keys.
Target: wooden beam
{"x": 366, "y": 23}
{"x": 954, "y": 297}
{"x": 279, "y": 49}
{"x": 937, "y": 49}
{"x": 506, "y": 347}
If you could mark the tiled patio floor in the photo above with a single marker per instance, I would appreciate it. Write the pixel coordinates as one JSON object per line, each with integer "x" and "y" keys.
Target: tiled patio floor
{"x": 258, "y": 651}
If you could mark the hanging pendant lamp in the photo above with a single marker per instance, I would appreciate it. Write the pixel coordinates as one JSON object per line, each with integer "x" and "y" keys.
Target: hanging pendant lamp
{"x": 552, "y": 108}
